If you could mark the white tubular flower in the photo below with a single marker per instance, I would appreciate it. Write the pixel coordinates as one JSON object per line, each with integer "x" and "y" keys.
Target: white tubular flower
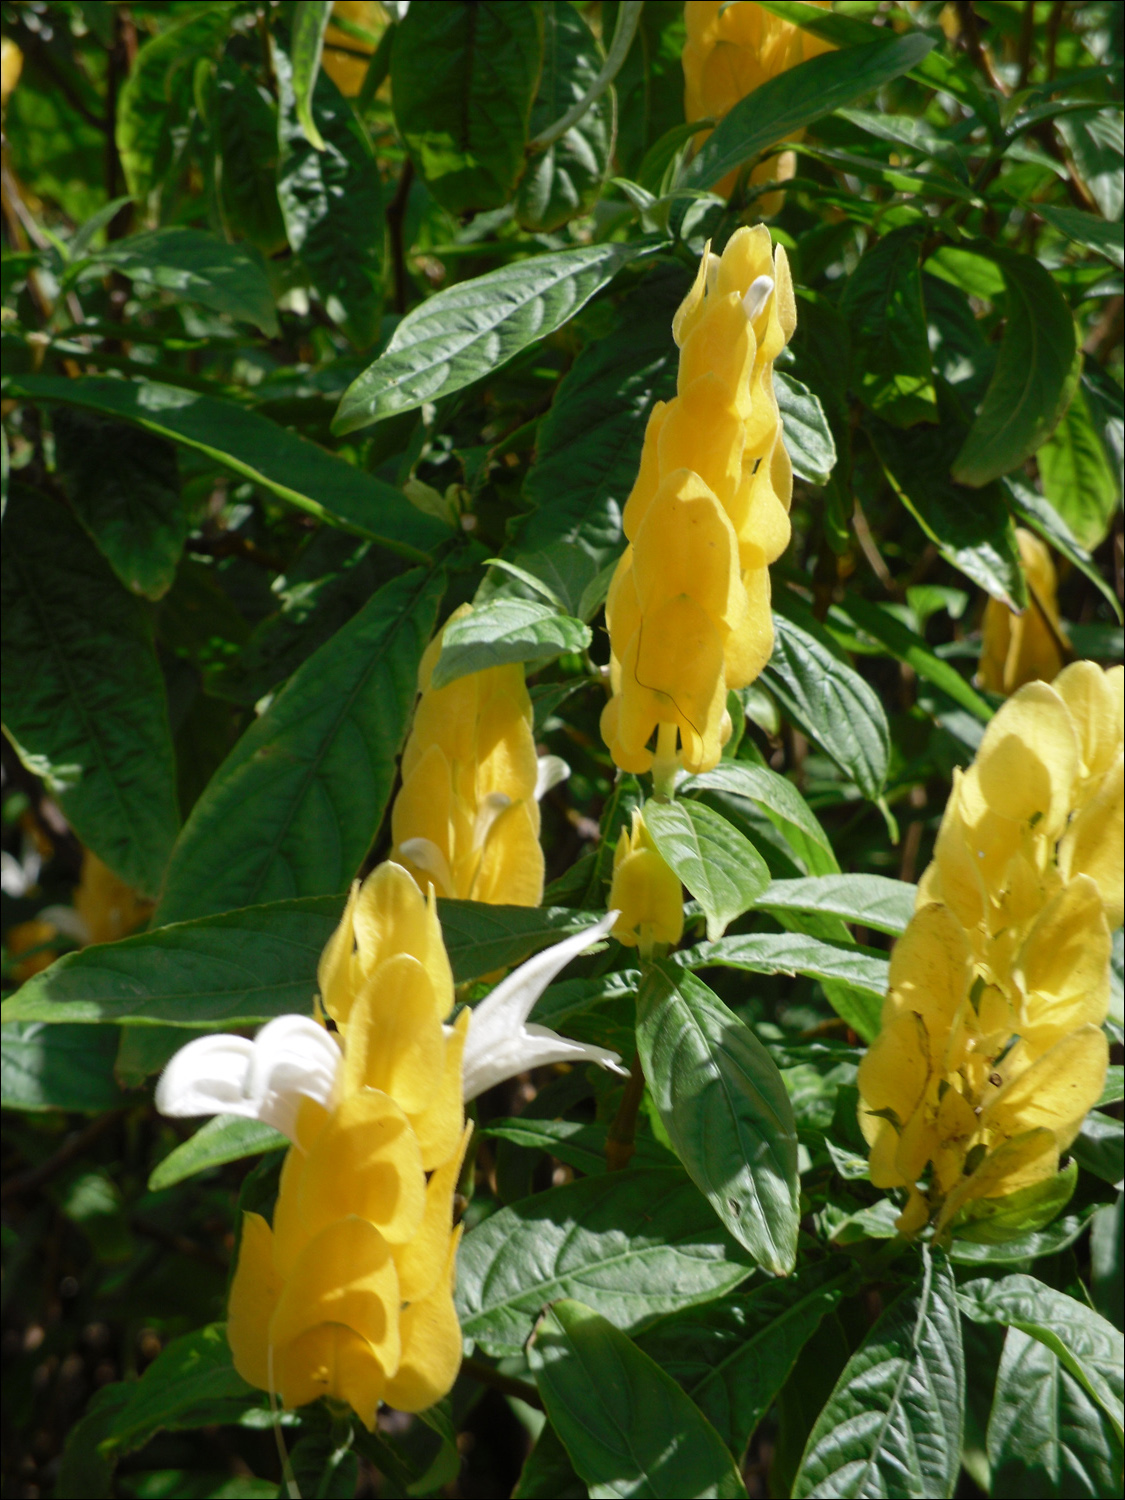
{"x": 501, "y": 1044}
{"x": 290, "y": 1058}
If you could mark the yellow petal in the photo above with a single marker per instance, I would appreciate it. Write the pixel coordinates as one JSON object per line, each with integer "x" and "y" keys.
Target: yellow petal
{"x": 649, "y": 895}
{"x": 686, "y": 546}
{"x": 1013, "y": 1165}
{"x": 648, "y": 474}
{"x": 431, "y": 1344}
{"x": 915, "y": 1216}
{"x": 722, "y": 343}
{"x": 1089, "y": 695}
{"x": 505, "y": 751}
{"x": 1056, "y": 1091}
{"x": 438, "y": 1127}
{"x": 930, "y": 969}
{"x": 1027, "y": 763}
{"x": 254, "y": 1292}
{"x": 701, "y": 433}
{"x": 394, "y": 1038}
{"x": 1064, "y": 966}
{"x": 422, "y": 809}
{"x": 331, "y": 1360}
{"x": 366, "y": 1161}
{"x": 511, "y": 866}
{"x": 334, "y": 971}
{"x": 392, "y": 916}
{"x": 675, "y": 675}
{"x": 424, "y": 1257}
{"x": 1093, "y": 844}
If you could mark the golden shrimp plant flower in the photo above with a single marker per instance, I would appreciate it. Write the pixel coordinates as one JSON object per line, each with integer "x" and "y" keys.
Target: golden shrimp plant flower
{"x": 688, "y": 609}
{"x": 1024, "y": 648}
{"x": 731, "y": 50}
{"x": 349, "y": 1292}
{"x": 467, "y": 815}
{"x": 991, "y": 1050}
{"x": 646, "y": 890}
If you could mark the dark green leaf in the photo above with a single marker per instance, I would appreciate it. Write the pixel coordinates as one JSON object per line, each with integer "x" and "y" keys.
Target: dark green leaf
{"x": 246, "y": 967}
{"x": 720, "y": 867}
{"x": 82, "y": 692}
{"x": 124, "y": 486}
{"x": 332, "y": 202}
{"x": 832, "y": 704}
{"x": 579, "y": 1146}
{"x": 565, "y": 179}
{"x": 471, "y": 329}
{"x": 1045, "y": 1434}
{"x": 463, "y": 79}
{"x": 796, "y": 98}
{"x": 84, "y": 1469}
{"x": 1035, "y": 373}
{"x": 808, "y": 437}
{"x": 548, "y": 1473}
{"x": 724, "y": 1106}
{"x": 58, "y": 1067}
{"x": 191, "y": 1383}
{"x": 870, "y": 900}
{"x": 1086, "y": 229}
{"x": 1035, "y": 511}
{"x": 225, "y": 1138}
{"x": 733, "y": 1356}
{"x": 635, "y": 1244}
{"x": 891, "y": 370}
{"x": 197, "y": 267}
{"x": 246, "y": 139}
{"x": 506, "y": 630}
{"x": 310, "y": 18}
{"x": 628, "y": 1427}
{"x": 293, "y": 468}
{"x": 1078, "y": 478}
{"x": 315, "y": 770}
{"x": 893, "y": 1424}
{"x": 1099, "y": 1147}
{"x": 904, "y": 644}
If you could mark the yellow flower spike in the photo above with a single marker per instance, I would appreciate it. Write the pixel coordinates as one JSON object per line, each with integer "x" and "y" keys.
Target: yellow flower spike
{"x": 892, "y": 1080}
{"x": 1027, "y": 763}
{"x": 645, "y": 890}
{"x": 1094, "y": 700}
{"x": 1056, "y": 1092}
{"x": 366, "y": 1161}
{"x": 391, "y": 917}
{"x": 423, "y": 1258}
{"x": 431, "y": 1343}
{"x": 254, "y": 1294}
{"x": 438, "y": 1126}
{"x": 331, "y": 1360}
{"x": 395, "y": 1041}
{"x": 1094, "y": 844}
{"x": 687, "y": 546}
{"x": 1017, "y": 1163}
{"x": 955, "y": 1126}
{"x": 1063, "y": 966}
{"x": 929, "y": 971}
{"x": 675, "y": 663}
{"x": 1023, "y": 648}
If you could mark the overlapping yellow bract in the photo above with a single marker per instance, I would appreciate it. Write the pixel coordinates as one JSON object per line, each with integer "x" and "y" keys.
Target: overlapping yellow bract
{"x": 991, "y": 1050}
{"x": 689, "y": 606}
{"x": 350, "y": 1293}
{"x": 646, "y": 891}
{"x": 1024, "y": 648}
{"x": 730, "y": 51}
{"x": 466, "y": 817}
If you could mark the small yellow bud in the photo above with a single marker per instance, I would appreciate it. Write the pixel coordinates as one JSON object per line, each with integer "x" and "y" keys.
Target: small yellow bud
{"x": 1022, "y": 648}
{"x": 645, "y": 891}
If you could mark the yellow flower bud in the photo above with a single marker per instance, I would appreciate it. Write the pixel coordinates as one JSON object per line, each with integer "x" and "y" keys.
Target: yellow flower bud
{"x": 1021, "y": 648}
{"x": 645, "y": 891}
{"x": 688, "y": 609}
{"x": 466, "y": 819}
{"x": 730, "y": 51}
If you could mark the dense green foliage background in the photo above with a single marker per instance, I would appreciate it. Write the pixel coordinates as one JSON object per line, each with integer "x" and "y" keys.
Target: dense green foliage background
{"x": 283, "y": 373}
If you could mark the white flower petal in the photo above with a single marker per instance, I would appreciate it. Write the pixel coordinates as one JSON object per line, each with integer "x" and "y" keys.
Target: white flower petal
{"x": 293, "y": 1058}
{"x": 207, "y": 1077}
{"x": 511, "y": 1001}
{"x": 552, "y": 769}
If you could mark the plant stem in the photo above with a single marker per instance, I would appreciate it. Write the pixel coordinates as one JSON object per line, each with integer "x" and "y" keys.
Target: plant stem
{"x": 508, "y": 1385}
{"x": 619, "y": 1144}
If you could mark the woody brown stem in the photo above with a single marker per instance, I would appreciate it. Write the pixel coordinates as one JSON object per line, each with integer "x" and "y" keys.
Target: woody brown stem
{"x": 619, "y": 1144}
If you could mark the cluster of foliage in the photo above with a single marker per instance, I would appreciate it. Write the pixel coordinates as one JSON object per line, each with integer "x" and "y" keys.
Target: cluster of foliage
{"x": 322, "y": 324}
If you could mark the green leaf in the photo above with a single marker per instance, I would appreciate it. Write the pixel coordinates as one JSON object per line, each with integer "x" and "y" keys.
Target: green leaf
{"x": 548, "y": 1473}
{"x": 797, "y": 97}
{"x": 124, "y": 486}
{"x": 588, "y": 445}
{"x": 83, "y": 1468}
{"x": 720, "y": 867}
{"x": 724, "y": 1106}
{"x": 1099, "y": 1147}
{"x": 505, "y": 630}
{"x": 1035, "y": 375}
{"x": 882, "y": 302}
{"x": 156, "y": 94}
{"x": 635, "y": 1244}
{"x": 830, "y": 701}
{"x": 972, "y": 527}
{"x": 1045, "y": 1435}
{"x": 332, "y": 202}
{"x": 225, "y": 1138}
{"x": 472, "y": 329}
{"x": 805, "y": 430}
{"x": 245, "y": 123}
{"x": 1052, "y": 1240}
{"x": 871, "y": 900}
{"x": 197, "y": 267}
{"x": 904, "y": 644}
{"x": 83, "y": 696}
{"x": 315, "y": 770}
{"x": 245, "y": 967}
{"x": 892, "y": 1426}
{"x": 565, "y": 179}
{"x": 310, "y": 19}
{"x": 463, "y": 78}
{"x": 291, "y": 467}
{"x": 192, "y": 1383}
{"x": 1095, "y": 142}
{"x": 58, "y": 1067}
{"x": 628, "y": 1427}
{"x": 775, "y": 794}
{"x": 579, "y": 1146}
{"x": 1036, "y": 512}
{"x": 1085, "y": 229}
{"x": 1091, "y": 1349}
{"x": 733, "y": 1356}
{"x": 996, "y": 1221}
{"x": 1078, "y": 478}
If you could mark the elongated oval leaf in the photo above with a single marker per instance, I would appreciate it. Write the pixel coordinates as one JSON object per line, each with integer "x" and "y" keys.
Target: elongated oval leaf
{"x": 633, "y": 1244}
{"x": 291, "y": 467}
{"x": 504, "y": 630}
{"x": 891, "y": 370}
{"x": 246, "y": 967}
{"x": 1035, "y": 376}
{"x": 725, "y": 1109}
{"x": 909, "y": 647}
{"x": 310, "y": 19}
{"x": 1079, "y": 480}
{"x": 720, "y": 866}
{"x": 805, "y": 430}
{"x": 775, "y": 794}
{"x": 628, "y": 1427}
{"x": 315, "y": 771}
{"x": 796, "y": 98}
{"x": 792, "y": 953}
{"x": 83, "y": 696}
{"x": 893, "y": 1424}
{"x": 473, "y": 328}
{"x": 191, "y": 1383}
{"x": 225, "y": 1138}
{"x": 833, "y": 705}
{"x": 871, "y": 900}
{"x": 58, "y": 1067}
